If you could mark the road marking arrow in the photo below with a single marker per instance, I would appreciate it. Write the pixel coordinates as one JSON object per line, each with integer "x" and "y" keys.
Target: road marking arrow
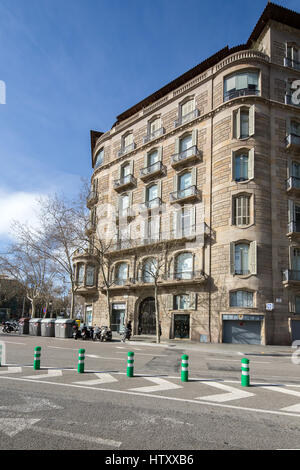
{"x": 11, "y": 370}
{"x": 231, "y": 393}
{"x": 287, "y": 392}
{"x": 32, "y": 404}
{"x": 102, "y": 379}
{"x": 162, "y": 385}
{"x": 12, "y": 426}
{"x": 51, "y": 373}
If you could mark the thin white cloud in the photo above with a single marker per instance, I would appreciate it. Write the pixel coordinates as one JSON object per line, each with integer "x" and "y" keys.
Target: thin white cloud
{"x": 20, "y": 206}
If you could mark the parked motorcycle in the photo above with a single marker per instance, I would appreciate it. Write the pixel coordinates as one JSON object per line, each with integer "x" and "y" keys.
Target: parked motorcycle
{"x": 87, "y": 333}
{"x": 105, "y": 334}
{"x": 76, "y": 332}
{"x": 97, "y": 333}
{"x": 8, "y": 327}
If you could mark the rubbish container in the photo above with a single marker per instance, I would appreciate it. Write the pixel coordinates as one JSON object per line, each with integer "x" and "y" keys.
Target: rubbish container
{"x": 64, "y": 328}
{"x": 24, "y": 326}
{"x": 35, "y": 326}
{"x": 48, "y": 327}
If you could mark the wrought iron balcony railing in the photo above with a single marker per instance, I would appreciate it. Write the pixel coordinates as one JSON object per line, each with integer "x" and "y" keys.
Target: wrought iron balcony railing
{"x": 229, "y": 95}
{"x": 241, "y": 272}
{"x": 292, "y": 183}
{"x": 156, "y": 202}
{"x": 125, "y": 213}
{"x": 292, "y": 140}
{"x": 126, "y": 149}
{"x": 187, "y": 117}
{"x": 294, "y": 64}
{"x": 156, "y": 167}
{"x": 294, "y": 227}
{"x": 128, "y": 180}
{"x": 153, "y": 135}
{"x": 183, "y": 275}
{"x": 181, "y": 157}
{"x": 191, "y": 191}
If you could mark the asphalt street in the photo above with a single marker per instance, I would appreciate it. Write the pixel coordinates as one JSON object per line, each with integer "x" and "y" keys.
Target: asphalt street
{"x": 58, "y": 408}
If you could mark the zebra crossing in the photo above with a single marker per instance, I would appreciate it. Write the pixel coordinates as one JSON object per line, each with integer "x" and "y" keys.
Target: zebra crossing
{"x": 204, "y": 391}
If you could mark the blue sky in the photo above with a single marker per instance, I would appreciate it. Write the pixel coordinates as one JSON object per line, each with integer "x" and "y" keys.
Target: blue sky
{"x": 73, "y": 65}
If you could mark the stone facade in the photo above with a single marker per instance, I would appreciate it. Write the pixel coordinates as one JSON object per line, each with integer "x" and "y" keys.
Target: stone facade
{"x": 214, "y": 128}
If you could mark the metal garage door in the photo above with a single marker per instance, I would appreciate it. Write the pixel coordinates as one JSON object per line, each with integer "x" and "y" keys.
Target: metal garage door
{"x": 295, "y": 330}
{"x": 241, "y": 332}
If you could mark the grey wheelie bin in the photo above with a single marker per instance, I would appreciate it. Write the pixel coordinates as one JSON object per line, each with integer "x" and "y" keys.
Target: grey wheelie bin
{"x": 24, "y": 326}
{"x": 35, "y": 326}
{"x": 48, "y": 327}
{"x": 64, "y": 328}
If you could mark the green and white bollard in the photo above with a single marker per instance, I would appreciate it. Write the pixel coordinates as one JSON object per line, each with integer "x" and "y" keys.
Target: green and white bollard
{"x": 245, "y": 379}
{"x": 184, "y": 368}
{"x": 130, "y": 361}
{"x": 81, "y": 357}
{"x": 37, "y": 358}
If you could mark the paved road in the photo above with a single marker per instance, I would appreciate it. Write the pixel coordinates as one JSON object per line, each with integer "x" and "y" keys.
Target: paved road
{"x": 57, "y": 408}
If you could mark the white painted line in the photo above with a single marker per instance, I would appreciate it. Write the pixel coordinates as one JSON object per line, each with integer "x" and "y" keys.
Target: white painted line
{"x": 11, "y": 370}
{"x": 161, "y": 397}
{"x": 12, "y": 426}
{"x": 14, "y": 342}
{"x": 293, "y": 408}
{"x": 162, "y": 385}
{"x": 237, "y": 360}
{"x": 77, "y": 437}
{"x": 103, "y": 379}
{"x": 51, "y": 373}
{"x": 146, "y": 354}
{"x": 231, "y": 393}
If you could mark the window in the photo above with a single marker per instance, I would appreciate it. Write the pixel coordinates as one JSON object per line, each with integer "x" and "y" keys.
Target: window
{"x": 154, "y": 127}
{"x": 152, "y": 158}
{"x": 244, "y": 122}
{"x": 293, "y": 217}
{"x": 241, "y": 298}
{"x": 297, "y": 304}
{"x": 80, "y": 274}
{"x": 185, "y": 143}
{"x": 149, "y": 270}
{"x": 184, "y": 266}
{"x": 187, "y": 111}
{"x": 124, "y": 205}
{"x": 99, "y": 158}
{"x": 121, "y": 273}
{"x": 241, "y": 210}
{"x": 240, "y": 84}
{"x": 127, "y": 143}
{"x": 181, "y": 302}
{"x": 292, "y": 58}
{"x": 90, "y": 274}
{"x": 153, "y": 228}
{"x": 243, "y": 258}
{"x": 184, "y": 221}
{"x": 151, "y": 193}
{"x": 295, "y": 128}
{"x": 241, "y": 167}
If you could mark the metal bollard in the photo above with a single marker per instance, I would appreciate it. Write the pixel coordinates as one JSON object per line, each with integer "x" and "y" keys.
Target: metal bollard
{"x": 245, "y": 379}
{"x": 130, "y": 361}
{"x": 81, "y": 357}
{"x": 37, "y": 358}
{"x": 184, "y": 368}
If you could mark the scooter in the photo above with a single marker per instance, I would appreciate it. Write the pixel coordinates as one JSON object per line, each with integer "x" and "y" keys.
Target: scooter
{"x": 87, "y": 333}
{"x": 106, "y": 334}
{"x": 8, "y": 327}
{"x": 126, "y": 335}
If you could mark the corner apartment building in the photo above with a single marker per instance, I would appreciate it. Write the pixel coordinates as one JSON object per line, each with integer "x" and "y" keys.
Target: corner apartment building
{"x": 202, "y": 180}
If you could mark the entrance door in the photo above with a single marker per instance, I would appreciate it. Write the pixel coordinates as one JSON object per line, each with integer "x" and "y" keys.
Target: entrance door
{"x": 117, "y": 317}
{"x": 181, "y": 326}
{"x": 147, "y": 323}
{"x": 295, "y": 330}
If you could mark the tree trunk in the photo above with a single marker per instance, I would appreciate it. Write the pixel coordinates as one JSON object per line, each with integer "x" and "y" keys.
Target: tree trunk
{"x": 108, "y": 308}
{"x": 72, "y": 303}
{"x": 156, "y": 313}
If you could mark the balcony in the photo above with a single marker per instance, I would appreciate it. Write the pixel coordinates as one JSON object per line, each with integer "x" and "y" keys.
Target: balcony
{"x": 293, "y": 142}
{"x": 187, "y": 118}
{"x": 85, "y": 290}
{"x": 291, "y": 278}
{"x": 126, "y": 182}
{"x": 90, "y": 227}
{"x": 190, "y": 194}
{"x": 91, "y": 199}
{"x": 294, "y": 64}
{"x": 126, "y": 149}
{"x": 293, "y": 185}
{"x": 125, "y": 214}
{"x": 152, "y": 171}
{"x": 184, "y": 277}
{"x": 229, "y": 95}
{"x": 151, "y": 205}
{"x": 153, "y": 135}
{"x": 293, "y": 230}
{"x": 185, "y": 157}
{"x": 85, "y": 254}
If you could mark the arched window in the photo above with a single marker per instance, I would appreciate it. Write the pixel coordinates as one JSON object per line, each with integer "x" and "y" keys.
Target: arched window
{"x": 121, "y": 274}
{"x": 185, "y": 143}
{"x": 99, "y": 158}
{"x": 149, "y": 272}
{"x": 184, "y": 266}
{"x": 152, "y": 195}
{"x": 152, "y": 157}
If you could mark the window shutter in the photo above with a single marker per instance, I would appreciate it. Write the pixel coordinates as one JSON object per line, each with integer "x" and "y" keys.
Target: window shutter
{"x": 233, "y": 164}
{"x": 194, "y": 176}
{"x": 291, "y": 257}
{"x": 288, "y": 126}
{"x": 159, "y": 154}
{"x": 292, "y": 304}
{"x": 193, "y": 301}
{"x": 175, "y": 182}
{"x": 194, "y": 137}
{"x": 290, "y": 211}
{"x": 253, "y": 257}
{"x": 132, "y": 167}
{"x": 251, "y": 164}
{"x": 177, "y": 145}
{"x": 144, "y": 195}
{"x": 238, "y": 124}
{"x": 289, "y": 168}
{"x": 193, "y": 220}
{"x": 130, "y": 199}
{"x": 232, "y": 257}
{"x": 120, "y": 171}
{"x": 143, "y": 228}
{"x": 159, "y": 189}
{"x": 170, "y": 302}
{"x": 251, "y": 120}
{"x": 146, "y": 160}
